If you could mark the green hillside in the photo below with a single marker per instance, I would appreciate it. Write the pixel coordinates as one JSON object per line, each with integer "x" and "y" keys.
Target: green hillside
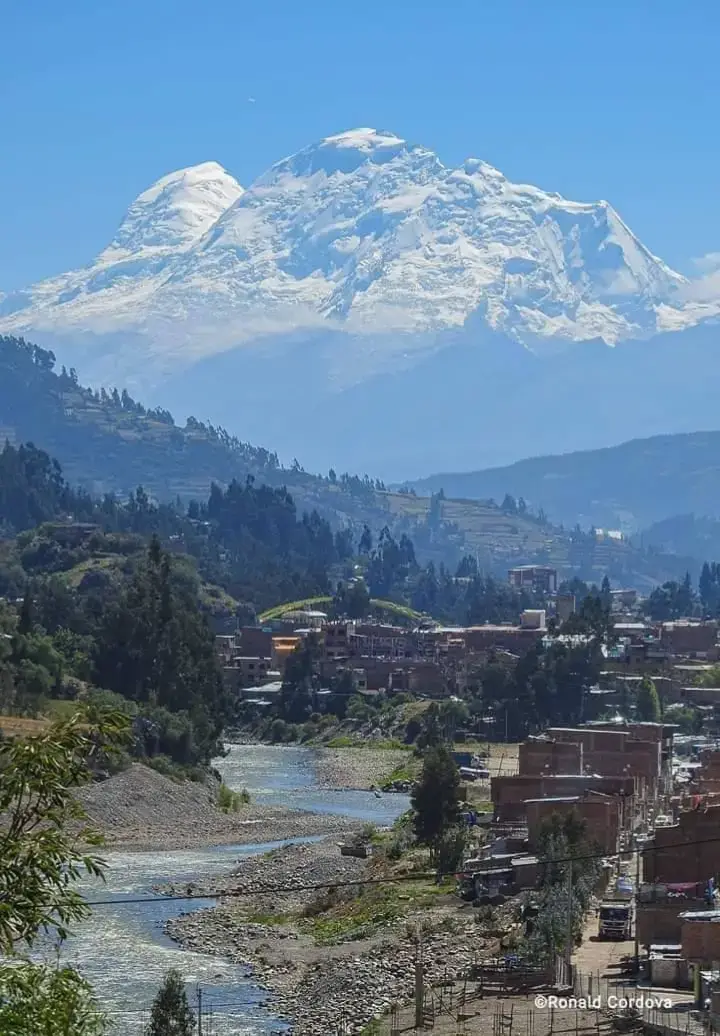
{"x": 499, "y": 539}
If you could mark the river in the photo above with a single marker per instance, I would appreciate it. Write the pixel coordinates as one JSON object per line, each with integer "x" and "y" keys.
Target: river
{"x": 123, "y": 950}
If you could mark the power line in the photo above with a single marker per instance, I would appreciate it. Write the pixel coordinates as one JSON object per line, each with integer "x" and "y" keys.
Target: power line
{"x": 392, "y": 879}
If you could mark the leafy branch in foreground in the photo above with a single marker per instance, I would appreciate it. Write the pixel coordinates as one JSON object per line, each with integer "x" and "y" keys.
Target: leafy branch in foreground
{"x": 46, "y": 841}
{"x": 39, "y": 1000}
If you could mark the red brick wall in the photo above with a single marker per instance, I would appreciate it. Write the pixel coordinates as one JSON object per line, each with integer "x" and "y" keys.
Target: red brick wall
{"x": 682, "y": 639}
{"x": 592, "y": 739}
{"x": 508, "y": 793}
{"x": 254, "y": 643}
{"x": 539, "y": 757}
{"x": 514, "y": 639}
{"x": 659, "y": 923}
{"x": 689, "y": 851}
{"x": 601, "y": 816}
{"x": 638, "y": 759}
{"x": 701, "y": 940}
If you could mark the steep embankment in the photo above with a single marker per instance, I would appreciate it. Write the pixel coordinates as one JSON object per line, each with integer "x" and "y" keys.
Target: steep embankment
{"x": 143, "y": 810}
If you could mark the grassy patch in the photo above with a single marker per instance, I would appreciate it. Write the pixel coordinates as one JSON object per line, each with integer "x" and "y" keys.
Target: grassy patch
{"x": 175, "y": 771}
{"x": 95, "y": 564}
{"x": 343, "y": 741}
{"x": 230, "y": 801}
{"x": 386, "y": 745}
{"x": 407, "y": 771}
{"x": 373, "y": 1028}
{"x": 336, "y": 919}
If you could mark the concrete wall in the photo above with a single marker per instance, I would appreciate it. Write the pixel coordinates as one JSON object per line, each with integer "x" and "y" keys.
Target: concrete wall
{"x": 669, "y": 973}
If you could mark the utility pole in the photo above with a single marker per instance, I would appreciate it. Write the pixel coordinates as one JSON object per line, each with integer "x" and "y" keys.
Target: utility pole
{"x": 199, "y": 1009}
{"x": 635, "y": 925}
{"x": 569, "y": 942}
{"x": 419, "y": 983}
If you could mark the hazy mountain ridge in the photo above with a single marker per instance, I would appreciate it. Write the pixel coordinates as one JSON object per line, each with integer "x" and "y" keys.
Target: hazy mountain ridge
{"x": 637, "y": 484}
{"x": 109, "y": 443}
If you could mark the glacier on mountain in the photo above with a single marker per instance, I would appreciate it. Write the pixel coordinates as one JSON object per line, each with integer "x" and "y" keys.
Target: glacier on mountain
{"x": 362, "y": 234}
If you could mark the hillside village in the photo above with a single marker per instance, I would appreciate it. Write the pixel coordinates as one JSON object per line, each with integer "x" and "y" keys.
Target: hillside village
{"x": 647, "y": 794}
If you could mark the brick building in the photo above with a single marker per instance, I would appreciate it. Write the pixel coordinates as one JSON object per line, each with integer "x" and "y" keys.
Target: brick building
{"x": 686, "y": 852}
{"x": 510, "y": 793}
{"x": 254, "y": 641}
{"x": 603, "y": 816}
{"x": 517, "y": 639}
{"x": 690, "y": 639}
{"x": 614, "y": 752}
{"x": 540, "y": 579}
{"x": 541, "y": 755}
{"x": 659, "y": 909}
{"x": 701, "y": 936}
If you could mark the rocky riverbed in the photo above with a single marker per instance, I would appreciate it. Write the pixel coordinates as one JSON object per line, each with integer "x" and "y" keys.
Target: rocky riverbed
{"x": 358, "y": 768}
{"x": 140, "y": 809}
{"x": 315, "y": 986}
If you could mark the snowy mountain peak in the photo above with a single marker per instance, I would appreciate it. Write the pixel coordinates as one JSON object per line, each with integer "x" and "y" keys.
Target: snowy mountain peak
{"x": 364, "y": 139}
{"x": 175, "y": 211}
{"x": 345, "y": 153}
{"x": 361, "y": 233}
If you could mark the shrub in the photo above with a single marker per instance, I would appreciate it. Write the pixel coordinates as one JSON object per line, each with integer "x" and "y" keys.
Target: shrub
{"x": 230, "y": 801}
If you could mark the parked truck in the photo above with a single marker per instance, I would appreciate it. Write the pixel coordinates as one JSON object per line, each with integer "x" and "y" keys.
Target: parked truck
{"x": 615, "y": 915}
{"x": 615, "y": 920}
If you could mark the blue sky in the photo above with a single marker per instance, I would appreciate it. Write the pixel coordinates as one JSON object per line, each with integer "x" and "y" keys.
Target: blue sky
{"x": 615, "y": 100}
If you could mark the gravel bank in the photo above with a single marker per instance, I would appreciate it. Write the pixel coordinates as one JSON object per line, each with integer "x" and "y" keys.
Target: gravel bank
{"x": 289, "y": 867}
{"x": 314, "y": 987}
{"x": 140, "y": 809}
{"x": 357, "y": 768}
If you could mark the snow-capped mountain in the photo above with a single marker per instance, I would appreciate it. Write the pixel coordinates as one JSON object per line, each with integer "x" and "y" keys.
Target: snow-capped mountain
{"x": 362, "y": 233}
{"x": 363, "y": 305}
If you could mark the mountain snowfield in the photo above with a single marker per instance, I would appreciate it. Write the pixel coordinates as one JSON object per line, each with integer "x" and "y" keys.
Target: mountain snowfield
{"x": 360, "y": 277}
{"x": 366, "y": 233}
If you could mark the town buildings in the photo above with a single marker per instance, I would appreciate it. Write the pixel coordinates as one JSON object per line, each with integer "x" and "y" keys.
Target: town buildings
{"x": 539, "y": 579}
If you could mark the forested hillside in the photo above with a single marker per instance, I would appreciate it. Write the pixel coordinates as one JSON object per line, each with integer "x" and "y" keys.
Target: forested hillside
{"x": 114, "y": 602}
{"x": 109, "y": 443}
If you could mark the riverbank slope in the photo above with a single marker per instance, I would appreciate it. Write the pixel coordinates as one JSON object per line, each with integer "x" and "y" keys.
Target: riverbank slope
{"x": 140, "y": 809}
{"x": 340, "y": 953}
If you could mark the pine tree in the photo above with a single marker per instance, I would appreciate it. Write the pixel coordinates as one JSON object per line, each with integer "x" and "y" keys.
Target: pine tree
{"x": 171, "y": 1014}
{"x": 436, "y": 796}
{"x": 25, "y": 621}
{"x": 366, "y": 541}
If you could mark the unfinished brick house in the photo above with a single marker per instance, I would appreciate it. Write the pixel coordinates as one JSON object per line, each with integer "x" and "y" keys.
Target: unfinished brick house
{"x": 686, "y": 852}
{"x": 601, "y": 813}
{"x": 615, "y": 752}
{"x": 659, "y": 910}
{"x": 701, "y": 936}
{"x": 509, "y": 794}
